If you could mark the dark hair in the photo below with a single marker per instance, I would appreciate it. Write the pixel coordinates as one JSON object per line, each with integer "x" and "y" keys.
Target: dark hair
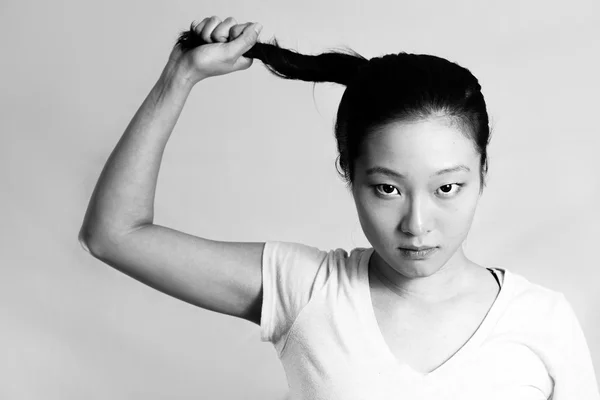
{"x": 379, "y": 91}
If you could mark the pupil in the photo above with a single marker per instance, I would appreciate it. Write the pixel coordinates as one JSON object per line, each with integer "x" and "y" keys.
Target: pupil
{"x": 447, "y": 187}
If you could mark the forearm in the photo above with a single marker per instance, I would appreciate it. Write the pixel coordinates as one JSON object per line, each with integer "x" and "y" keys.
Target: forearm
{"x": 124, "y": 194}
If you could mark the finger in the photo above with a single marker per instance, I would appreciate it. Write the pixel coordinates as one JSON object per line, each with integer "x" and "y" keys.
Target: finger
{"x": 209, "y": 27}
{"x": 245, "y": 41}
{"x": 237, "y": 30}
{"x": 221, "y": 32}
{"x": 198, "y": 26}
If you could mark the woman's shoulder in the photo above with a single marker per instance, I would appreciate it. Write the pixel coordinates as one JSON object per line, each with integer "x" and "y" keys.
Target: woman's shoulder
{"x": 346, "y": 255}
{"x": 530, "y": 297}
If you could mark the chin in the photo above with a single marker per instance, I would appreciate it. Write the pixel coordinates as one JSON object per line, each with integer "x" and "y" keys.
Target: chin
{"x": 422, "y": 269}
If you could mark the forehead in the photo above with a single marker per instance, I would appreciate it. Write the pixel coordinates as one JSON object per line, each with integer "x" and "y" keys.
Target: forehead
{"x": 423, "y": 145}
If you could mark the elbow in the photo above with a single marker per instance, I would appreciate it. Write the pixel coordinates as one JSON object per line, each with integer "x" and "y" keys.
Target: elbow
{"x": 85, "y": 246}
{"x": 97, "y": 241}
{"x": 88, "y": 241}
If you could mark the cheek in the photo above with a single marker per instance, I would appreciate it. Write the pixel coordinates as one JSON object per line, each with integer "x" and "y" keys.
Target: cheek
{"x": 375, "y": 219}
{"x": 458, "y": 222}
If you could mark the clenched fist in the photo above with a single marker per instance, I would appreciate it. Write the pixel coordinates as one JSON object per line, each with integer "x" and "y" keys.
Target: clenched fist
{"x": 221, "y": 52}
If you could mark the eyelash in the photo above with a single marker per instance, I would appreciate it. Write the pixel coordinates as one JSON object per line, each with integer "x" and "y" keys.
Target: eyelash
{"x": 459, "y": 185}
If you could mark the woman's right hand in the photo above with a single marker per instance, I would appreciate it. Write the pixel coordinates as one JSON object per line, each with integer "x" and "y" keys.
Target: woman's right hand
{"x": 226, "y": 42}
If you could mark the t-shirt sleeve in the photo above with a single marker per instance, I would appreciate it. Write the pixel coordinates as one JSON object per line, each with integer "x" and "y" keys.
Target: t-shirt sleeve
{"x": 291, "y": 274}
{"x": 572, "y": 369}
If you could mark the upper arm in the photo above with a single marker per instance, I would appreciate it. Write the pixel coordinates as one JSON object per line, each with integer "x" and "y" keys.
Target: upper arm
{"x": 571, "y": 367}
{"x": 225, "y": 277}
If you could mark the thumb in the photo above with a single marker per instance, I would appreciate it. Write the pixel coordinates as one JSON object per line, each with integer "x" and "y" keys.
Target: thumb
{"x": 240, "y": 45}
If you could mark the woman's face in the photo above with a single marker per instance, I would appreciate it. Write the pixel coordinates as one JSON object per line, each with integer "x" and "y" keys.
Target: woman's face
{"x": 417, "y": 184}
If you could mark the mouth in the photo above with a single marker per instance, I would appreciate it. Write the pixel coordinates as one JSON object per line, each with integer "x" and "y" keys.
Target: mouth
{"x": 421, "y": 248}
{"x": 417, "y": 253}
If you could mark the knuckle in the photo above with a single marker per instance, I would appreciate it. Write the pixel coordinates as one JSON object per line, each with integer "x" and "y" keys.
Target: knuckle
{"x": 235, "y": 31}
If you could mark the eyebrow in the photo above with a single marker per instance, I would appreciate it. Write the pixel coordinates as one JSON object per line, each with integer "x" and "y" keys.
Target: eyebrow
{"x": 390, "y": 172}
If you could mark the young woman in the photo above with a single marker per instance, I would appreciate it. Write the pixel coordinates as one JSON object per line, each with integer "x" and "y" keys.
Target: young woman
{"x": 410, "y": 318}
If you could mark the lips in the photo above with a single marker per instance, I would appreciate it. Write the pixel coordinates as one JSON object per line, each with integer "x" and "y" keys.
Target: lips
{"x": 422, "y": 254}
{"x": 415, "y": 248}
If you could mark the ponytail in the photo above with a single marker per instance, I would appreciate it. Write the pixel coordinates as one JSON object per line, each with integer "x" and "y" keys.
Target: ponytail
{"x": 381, "y": 90}
{"x": 335, "y": 66}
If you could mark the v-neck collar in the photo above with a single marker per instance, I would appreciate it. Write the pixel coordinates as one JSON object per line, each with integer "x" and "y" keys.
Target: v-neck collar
{"x": 474, "y": 341}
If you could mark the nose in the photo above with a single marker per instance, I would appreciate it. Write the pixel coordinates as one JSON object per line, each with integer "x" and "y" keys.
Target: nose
{"x": 416, "y": 221}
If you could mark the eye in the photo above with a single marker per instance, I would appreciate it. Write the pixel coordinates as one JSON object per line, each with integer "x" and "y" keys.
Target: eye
{"x": 385, "y": 190}
{"x": 446, "y": 190}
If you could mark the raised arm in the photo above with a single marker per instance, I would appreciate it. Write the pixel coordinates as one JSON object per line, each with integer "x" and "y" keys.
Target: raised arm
{"x": 118, "y": 225}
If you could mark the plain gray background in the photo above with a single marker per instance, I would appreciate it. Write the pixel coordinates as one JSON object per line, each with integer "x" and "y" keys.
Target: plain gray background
{"x": 252, "y": 159}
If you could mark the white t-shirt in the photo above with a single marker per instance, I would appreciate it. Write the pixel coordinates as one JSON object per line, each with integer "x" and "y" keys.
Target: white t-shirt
{"x": 318, "y": 314}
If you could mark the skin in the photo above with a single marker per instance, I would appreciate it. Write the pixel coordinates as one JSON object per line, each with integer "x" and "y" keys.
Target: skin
{"x": 413, "y": 210}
